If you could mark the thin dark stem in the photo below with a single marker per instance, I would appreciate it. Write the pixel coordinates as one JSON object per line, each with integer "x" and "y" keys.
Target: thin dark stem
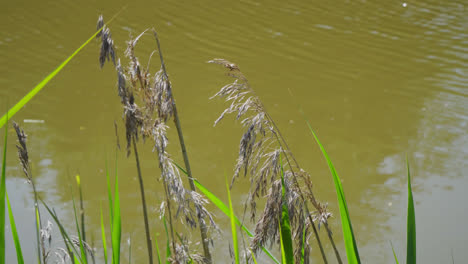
{"x": 203, "y": 228}
{"x": 329, "y": 233}
{"x": 143, "y": 200}
{"x": 168, "y": 202}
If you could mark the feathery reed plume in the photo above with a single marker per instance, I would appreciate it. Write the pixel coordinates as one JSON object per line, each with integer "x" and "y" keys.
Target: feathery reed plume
{"x": 259, "y": 150}
{"x": 107, "y": 45}
{"x": 148, "y": 119}
{"x": 23, "y": 156}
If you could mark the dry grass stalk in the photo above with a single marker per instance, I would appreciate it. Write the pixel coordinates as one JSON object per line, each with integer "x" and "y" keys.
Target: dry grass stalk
{"x": 258, "y": 157}
{"x": 148, "y": 119}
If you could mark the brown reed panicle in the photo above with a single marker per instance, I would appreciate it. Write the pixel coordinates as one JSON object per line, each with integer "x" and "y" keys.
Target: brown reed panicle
{"x": 259, "y": 157}
{"x": 148, "y": 119}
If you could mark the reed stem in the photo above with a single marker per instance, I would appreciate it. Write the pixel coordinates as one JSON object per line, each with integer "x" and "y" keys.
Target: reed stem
{"x": 203, "y": 228}
{"x": 143, "y": 200}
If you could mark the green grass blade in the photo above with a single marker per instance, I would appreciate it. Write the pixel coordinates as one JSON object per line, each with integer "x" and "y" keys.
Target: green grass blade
{"x": 158, "y": 254}
{"x": 2, "y": 199}
{"x": 253, "y": 256}
{"x": 63, "y": 232}
{"x": 303, "y": 245}
{"x": 82, "y": 212}
{"x": 233, "y": 226}
{"x": 116, "y": 224}
{"x": 42, "y": 83}
{"x": 285, "y": 225}
{"x": 223, "y": 207}
{"x": 14, "y": 233}
{"x": 82, "y": 249}
{"x": 411, "y": 224}
{"x": 394, "y": 254}
{"x": 103, "y": 235}
{"x": 109, "y": 192}
{"x": 348, "y": 234}
{"x": 168, "y": 245}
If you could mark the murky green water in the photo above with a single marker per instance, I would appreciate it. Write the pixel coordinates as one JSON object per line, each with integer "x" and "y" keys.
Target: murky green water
{"x": 376, "y": 80}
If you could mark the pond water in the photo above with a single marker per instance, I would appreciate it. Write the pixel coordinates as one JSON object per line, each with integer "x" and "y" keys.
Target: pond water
{"x": 377, "y": 80}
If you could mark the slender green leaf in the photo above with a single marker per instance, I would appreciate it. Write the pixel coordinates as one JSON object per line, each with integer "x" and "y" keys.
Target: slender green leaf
{"x": 233, "y": 225}
{"x": 285, "y": 226}
{"x": 116, "y": 224}
{"x": 103, "y": 234}
{"x": 49, "y": 77}
{"x": 223, "y": 207}
{"x": 253, "y": 256}
{"x": 168, "y": 245}
{"x": 63, "y": 232}
{"x": 394, "y": 255}
{"x": 348, "y": 234}
{"x": 411, "y": 224}
{"x": 109, "y": 193}
{"x": 14, "y": 233}
{"x": 38, "y": 230}
{"x": 82, "y": 249}
{"x": 82, "y": 213}
{"x": 158, "y": 254}
{"x": 2, "y": 199}
{"x": 303, "y": 245}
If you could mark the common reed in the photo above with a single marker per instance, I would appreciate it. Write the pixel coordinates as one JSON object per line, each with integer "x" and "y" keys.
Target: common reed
{"x": 259, "y": 157}
{"x": 148, "y": 104}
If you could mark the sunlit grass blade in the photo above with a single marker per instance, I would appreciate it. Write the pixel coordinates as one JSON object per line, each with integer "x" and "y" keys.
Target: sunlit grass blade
{"x": 348, "y": 234}
{"x": 38, "y": 230}
{"x": 225, "y": 209}
{"x": 82, "y": 212}
{"x": 48, "y": 78}
{"x": 394, "y": 254}
{"x": 109, "y": 193}
{"x": 14, "y": 233}
{"x": 411, "y": 224}
{"x": 66, "y": 238}
{"x": 82, "y": 249}
{"x": 285, "y": 225}
{"x": 233, "y": 226}
{"x": 103, "y": 235}
{"x": 168, "y": 245}
{"x": 158, "y": 254}
{"x": 2, "y": 199}
{"x": 303, "y": 245}
{"x": 116, "y": 224}
{"x": 253, "y": 256}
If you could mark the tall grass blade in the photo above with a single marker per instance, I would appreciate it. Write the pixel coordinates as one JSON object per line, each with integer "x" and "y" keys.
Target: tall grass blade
{"x": 2, "y": 199}
{"x": 116, "y": 224}
{"x": 233, "y": 225}
{"x": 109, "y": 192}
{"x": 168, "y": 244}
{"x": 285, "y": 226}
{"x": 14, "y": 233}
{"x": 66, "y": 238}
{"x": 394, "y": 254}
{"x": 158, "y": 254}
{"x": 38, "y": 230}
{"x": 411, "y": 224}
{"x": 253, "y": 256}
{"x": 82, "y": 213}
{"x": 348, "y": 234}
{"x": 221, "y": 206}
{"x": 48, "y": 78}
{"x": 82, "y": 249}
{"x": 103, "y": 235}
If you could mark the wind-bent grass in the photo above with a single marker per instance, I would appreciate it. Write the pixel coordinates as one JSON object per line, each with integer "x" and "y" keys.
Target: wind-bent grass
{"x": 30, "y": 95}
{"x": 411, "y": 224}
{"x": 394, "y": 254}
{"x": 14, "y": 233}
{"x": 116, "y": 224}
{"x": 235, "y": 242}
{"x": 225, "y": 209}
{"x": 2, "y": 199}
{"x": 287, "y": 251}
{"x": 103, "y": 236}
{"x": 348, "y": 234}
